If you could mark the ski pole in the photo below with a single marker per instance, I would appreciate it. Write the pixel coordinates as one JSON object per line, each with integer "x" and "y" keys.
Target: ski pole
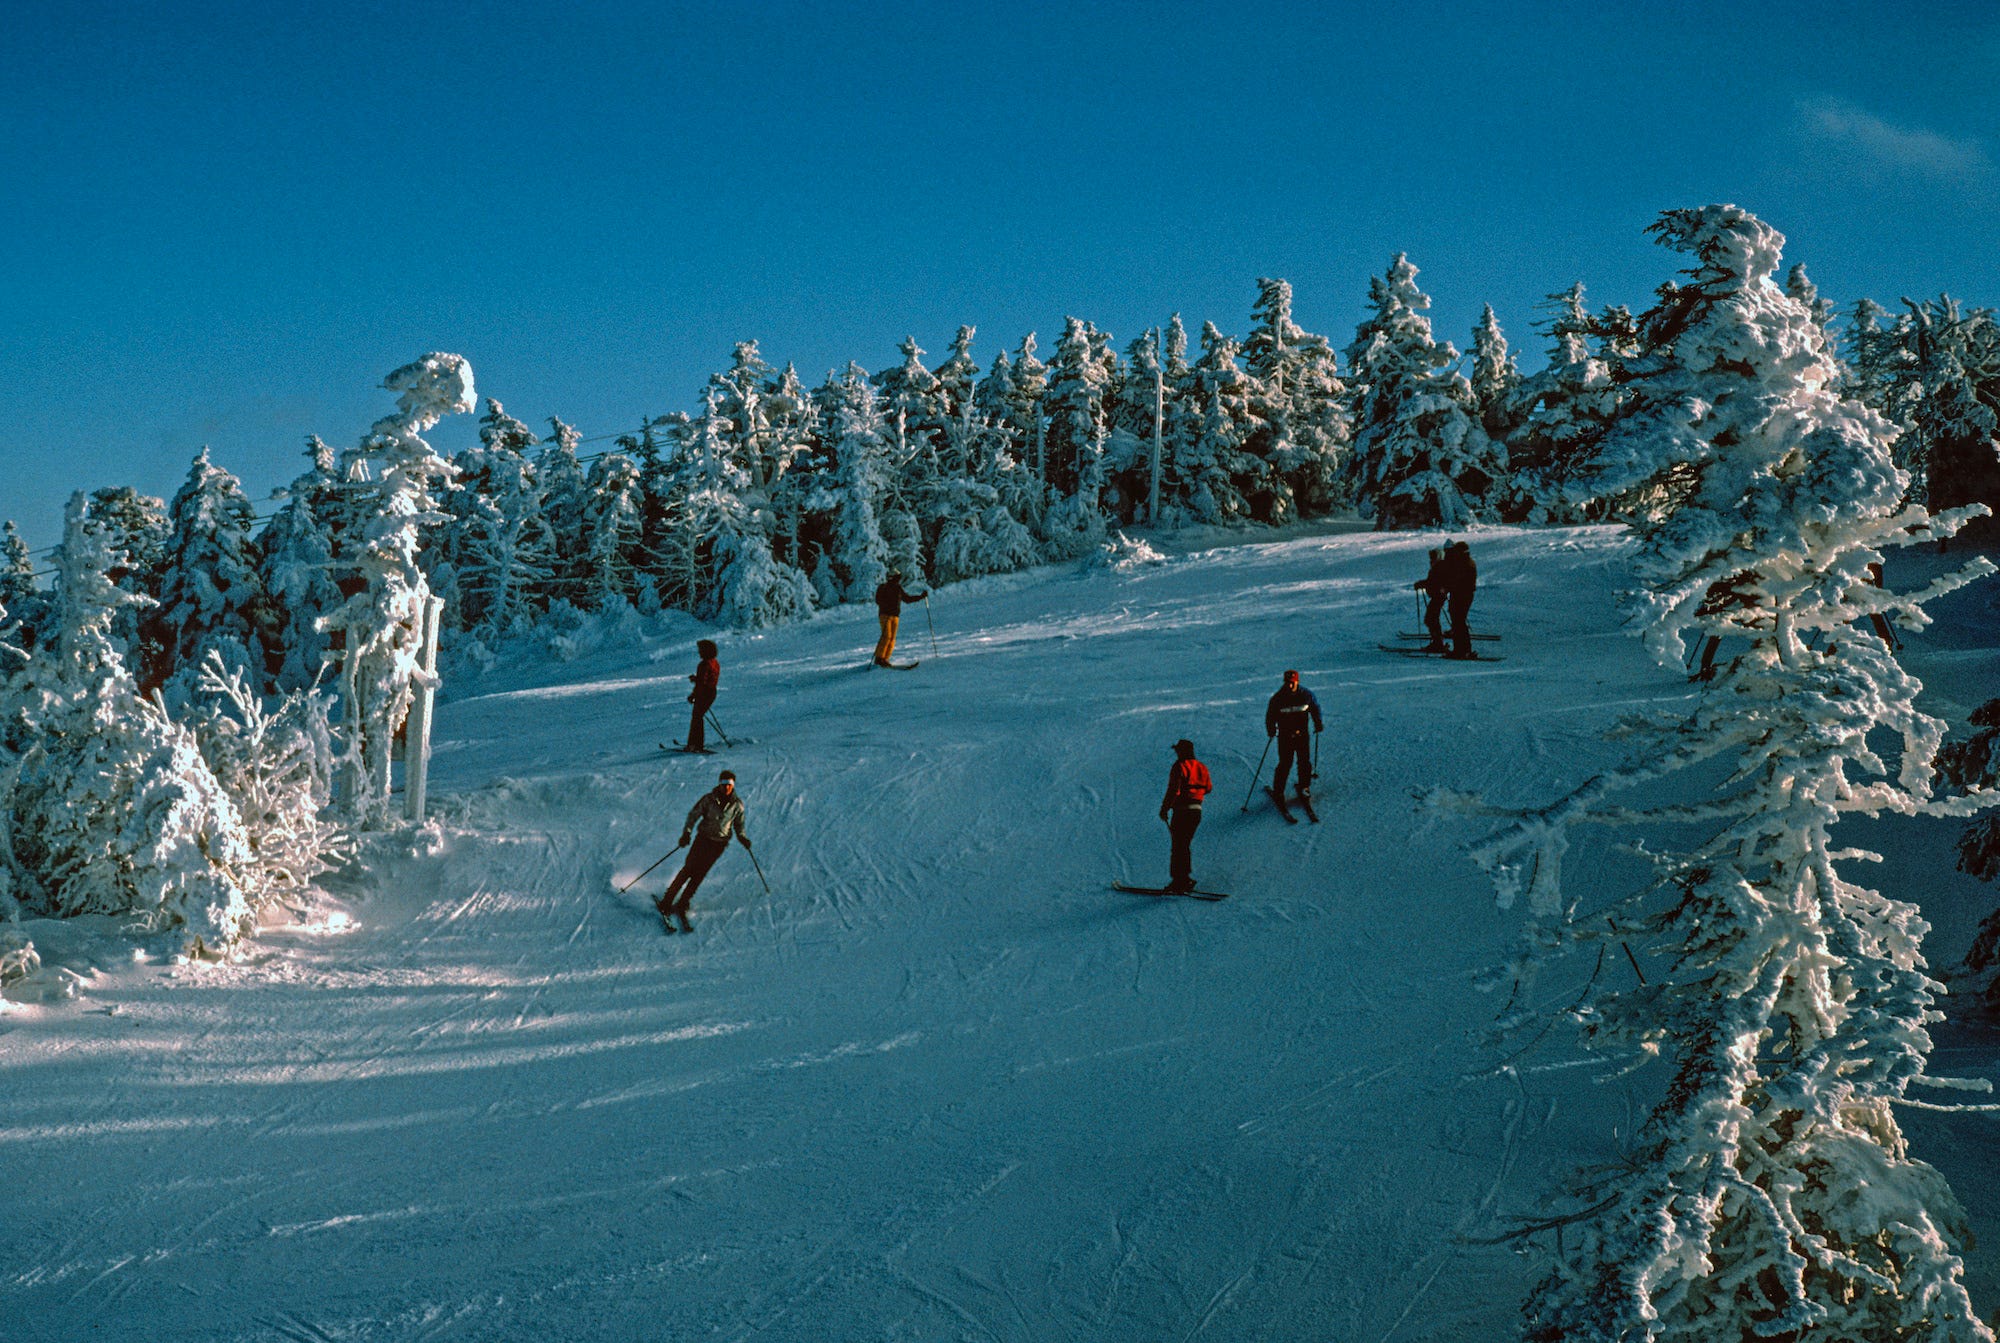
{"x": 663, "y": 858}
{"x": 717, "y": 725}
{"x": 928, "y": 624}
{"x": 1260, "y": 769}
{"x": 759, "y": 866}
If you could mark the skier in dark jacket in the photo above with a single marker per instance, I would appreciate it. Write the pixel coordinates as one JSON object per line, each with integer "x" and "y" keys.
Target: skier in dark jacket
{"x": 710, "y": 823}
{"x": 1187, "y": 784}
{"x": 1461, "y": 580}
{"x": 1291, "y": 717}
{"x": 707, "y": 675}
{"x": 889, "y": 599}
{"x": 1432, "y": 586}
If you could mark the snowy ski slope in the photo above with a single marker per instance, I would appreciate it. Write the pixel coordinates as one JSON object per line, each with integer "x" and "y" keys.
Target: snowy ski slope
{"x": 942, "y": 1083}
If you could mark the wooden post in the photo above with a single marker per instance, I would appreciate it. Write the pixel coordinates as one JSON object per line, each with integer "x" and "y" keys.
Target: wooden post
{"x": 417, "y": 734}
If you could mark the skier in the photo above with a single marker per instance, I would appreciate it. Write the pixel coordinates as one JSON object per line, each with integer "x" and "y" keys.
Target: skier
{"x": 1461, "y": 579}
{"x": 1432, "y": 586}
{"x": 1286, "y": 718}
{"x": 889, "y": 599}
{"x": 710, "y": 822}
{"x": 707, "y": 675}
{"x": 1187, "y": 784}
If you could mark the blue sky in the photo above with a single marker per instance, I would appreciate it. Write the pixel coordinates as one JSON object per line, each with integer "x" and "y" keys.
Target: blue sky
{"x": 224, "y": 223}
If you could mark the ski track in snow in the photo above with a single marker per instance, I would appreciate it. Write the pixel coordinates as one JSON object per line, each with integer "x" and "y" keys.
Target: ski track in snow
{"x": 942, "y": 1082}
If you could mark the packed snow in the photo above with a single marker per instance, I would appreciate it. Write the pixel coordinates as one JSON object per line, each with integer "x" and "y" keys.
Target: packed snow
{"x": 940, "y": 1082}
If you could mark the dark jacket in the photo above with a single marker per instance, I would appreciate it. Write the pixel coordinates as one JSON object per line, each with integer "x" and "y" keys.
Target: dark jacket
{"x": 889, "y": 597}
{"x": 1459, "y": 573}
{"x": 1187, "y": 784}
{"x": 1288, "y": 711}
{"x": 706, "y": 677}
{"x": 1432, "y": 584}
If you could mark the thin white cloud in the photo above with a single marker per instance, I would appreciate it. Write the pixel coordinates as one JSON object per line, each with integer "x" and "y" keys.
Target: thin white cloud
{"x": 1904, "y": 148}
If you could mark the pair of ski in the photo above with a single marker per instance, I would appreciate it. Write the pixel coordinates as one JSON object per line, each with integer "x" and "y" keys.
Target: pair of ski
{"x": 1168, "y": 890}
{"x": 1285, "y": 810}
{"x": 1429, "y": 652}
{"x": 682, "y": 748}
{"x": 896, "y": 666}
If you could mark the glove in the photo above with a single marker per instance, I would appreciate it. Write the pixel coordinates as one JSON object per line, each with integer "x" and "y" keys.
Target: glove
{"x": 690, "y": 697}
{"x": 745, "y": 839}
{"x": 685, "y": 837}
{"x": 1163, "y": 814}
{"x": 1270, "y": 732}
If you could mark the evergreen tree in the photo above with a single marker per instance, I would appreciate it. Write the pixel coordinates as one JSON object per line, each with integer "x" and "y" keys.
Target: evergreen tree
{"x": 210, "y": 596}
{"x": 1420, "y": 457}
{"x": 1496, "y": 379}
{"x": 18, "y": 595}
{"x": 613, "y": 527}
{"x": 1561, "y": 413}
{"x": 1298, "y": 408}
{"x": 560, "y": 476}
{"x": 855, "y": 488}
{"x": 113, "y": 810}
{"x": 1077, "y": 432}
{"x": 1770, "y": 1194}
{"x": 1971, "y": 764}
{"x": 299, "y": 574}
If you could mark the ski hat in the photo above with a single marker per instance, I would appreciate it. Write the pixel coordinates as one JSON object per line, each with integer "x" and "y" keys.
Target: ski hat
{"x": 1458, "y": 545}
{"x": 727, "y": 776}
{"x": 1184, "y": 749}
{"x": 1291, "y": 674}
{"x": 705, "y": 647}
{"x": 895, "y": 574}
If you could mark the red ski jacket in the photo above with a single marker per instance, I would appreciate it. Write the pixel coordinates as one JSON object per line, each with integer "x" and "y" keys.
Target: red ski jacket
{"x": 1187, "y": 784}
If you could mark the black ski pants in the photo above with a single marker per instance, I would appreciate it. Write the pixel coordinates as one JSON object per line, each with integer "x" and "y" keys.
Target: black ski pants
{"x": 1434, "y": 618}
{"x": 1294, "y": 752}
{"x": 1461, "y": 633}
{"x": 1182, "y": 822}
{"x": 697, "y": 726}
{"x": 701, "y": 857}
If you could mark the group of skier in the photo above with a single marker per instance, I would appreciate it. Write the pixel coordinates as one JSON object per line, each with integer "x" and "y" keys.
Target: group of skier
{"x": 1292, "y": 723}
{"x": 1448, "y": 589}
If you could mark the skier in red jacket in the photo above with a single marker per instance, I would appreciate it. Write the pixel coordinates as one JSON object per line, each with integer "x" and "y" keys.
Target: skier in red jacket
{"x": 707, "y": 675}
{"x": 1187, "y": 784}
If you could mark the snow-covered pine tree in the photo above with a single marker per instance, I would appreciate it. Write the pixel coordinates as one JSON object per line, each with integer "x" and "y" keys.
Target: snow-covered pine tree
{"x": 113, "y": 809}
{"x": 297, "y": 568}
{"x": 18, "y": 594}
{"x": 1770, "y": 1193}
{"x": 1076, "y": 435}
{"x": 851, "y": 494}
{"x": 719, "y": 564}
{"x": 978, "y": 533}
{"x": 1496, "y": 379}
{"x": 1559, "y": 414}
{"x": 1139, "y": 405}
{"x": 1974, "y": 763}
{"x": 1868, "y": 349}
{"x": 381, "y": 626}
{"x": 1299, "y": 407}
{"x": 956, "y": 377}
{"x": 912, "y": 406}
{"x": 798, "y": 458}
{"x": 1947, "y": 384}
{"x": 613, "y": 527}
{"x": 1420, "y": 458}
{"x": 136, "y": 528}
{"x": 211, "y": 598}
{"x": 560, "y": 477}
{"x": 500, "y": 542}
{"x": 1030, "y": 418}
